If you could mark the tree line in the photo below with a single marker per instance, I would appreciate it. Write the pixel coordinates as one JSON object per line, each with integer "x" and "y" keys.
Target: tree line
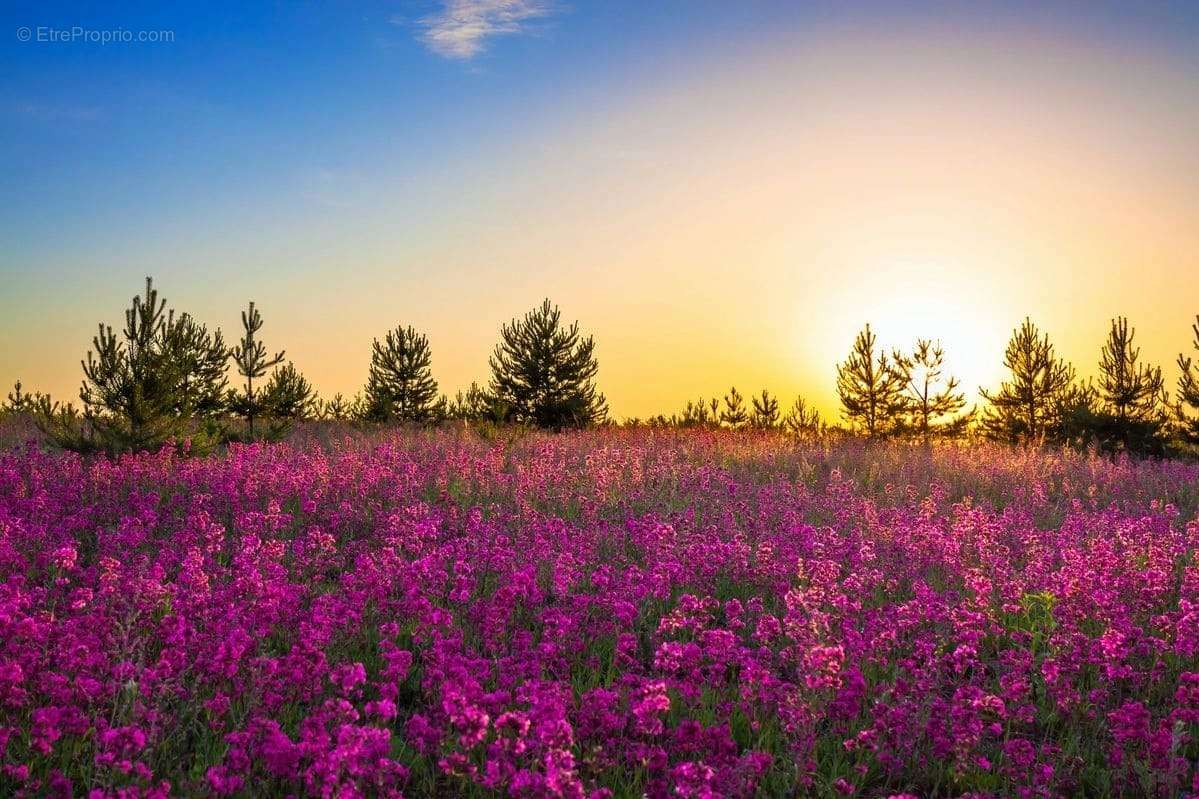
{"x": 1126, "y": 407}
{"x": 165, "y": 377}
{"x": 910, "y": 394}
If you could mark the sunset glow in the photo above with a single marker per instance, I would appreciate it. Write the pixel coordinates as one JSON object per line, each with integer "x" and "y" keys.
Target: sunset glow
{"x": 599, "y": 399}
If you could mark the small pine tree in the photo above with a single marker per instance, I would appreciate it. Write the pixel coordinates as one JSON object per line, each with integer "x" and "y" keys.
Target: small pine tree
{"x": 473, "y": 405}
{"x": 543, "y": 374}
{"x": 65, "y": 425}
{"x": 734, "y": 414}
{"x": 1030, "y": 404}
{"x": 288, "y": 396}
{"x": 1131, "y": 395}
{"x": 696, "y": 414}
{"x": 802, "y": 420}
{"x": 335, "y": 409}
{"x": 765, "y": 415}
{"x": 340, "y": 409}
{"x": 870, "y": 387}
{"x": 1188, "y": 392}
{"x": 19, "y": 401}
{"x": 401, "y": 387}
{"x": 252, "y": 364}
{"x": 358, "y": 407}
{"x": 930, "y": 395}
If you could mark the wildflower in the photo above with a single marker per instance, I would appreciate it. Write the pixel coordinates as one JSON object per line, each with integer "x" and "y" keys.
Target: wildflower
{"x": 694, "y": 779}
{"x": 349, "y": 677}
{"x": 651, "y": 705}
{"x": 222, "y": 782}
{"x": 64, "y": 557}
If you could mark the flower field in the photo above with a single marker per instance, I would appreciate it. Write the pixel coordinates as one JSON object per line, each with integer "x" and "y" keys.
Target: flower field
{"x": 609, "y": 613}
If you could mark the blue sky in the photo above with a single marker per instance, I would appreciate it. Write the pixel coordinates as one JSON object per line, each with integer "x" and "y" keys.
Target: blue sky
{"x": 283, "y": 149}
{"x": 256, "y": 98}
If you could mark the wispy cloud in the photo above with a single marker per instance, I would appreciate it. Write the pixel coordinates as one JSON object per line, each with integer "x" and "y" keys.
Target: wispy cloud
{"x": 461, "y": 28}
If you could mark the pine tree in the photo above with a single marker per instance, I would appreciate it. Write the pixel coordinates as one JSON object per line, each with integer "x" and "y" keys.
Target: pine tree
{"x": 734, "y": 414}
{"x": 930, "y": 395}
{"x": 765, "y": 415}
{"x": 145, "y": 386}
{"x": 288, "y": 396}
{"x": 870, "y": 387}
{"x": 252, "y": 364}
{"x": 357, "y": 408}
{"x": 337, "y": 409}
{"x": 401, "y": 387}
{"x": 1130, "y": 390}
{"x": 544, "y": 374}
{"x": 697, "y": 414}
{"x": 19, "y": 401}
{"x": 1031, "y": 403}
{"x": 802, "y": 420}
{"x": 205, "y": 360}
{"x": 473, "y": 405}
{"x": 1188, "y": 392}
{"x": 1077, "y": 418}
{"x": 1131, "y": 393}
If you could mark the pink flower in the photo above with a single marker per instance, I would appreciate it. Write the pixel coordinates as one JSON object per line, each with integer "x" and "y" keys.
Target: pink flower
{"x": 349, "y": 677}
{"x": 652, "y": 703}
{"x": 64, "y": 557}
{"x": 694, "y": 779}
{"x": 222, "y": 782}
{"x": 382, "y": 708}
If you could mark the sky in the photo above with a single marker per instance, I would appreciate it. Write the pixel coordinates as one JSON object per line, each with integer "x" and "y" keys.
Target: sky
{"x": 722, "y": 193}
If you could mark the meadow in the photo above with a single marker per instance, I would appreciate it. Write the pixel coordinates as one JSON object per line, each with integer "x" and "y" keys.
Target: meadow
{"x": 608, "y": 613}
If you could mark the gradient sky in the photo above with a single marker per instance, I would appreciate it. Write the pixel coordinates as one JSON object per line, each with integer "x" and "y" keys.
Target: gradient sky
{"x": 722, "y": 192}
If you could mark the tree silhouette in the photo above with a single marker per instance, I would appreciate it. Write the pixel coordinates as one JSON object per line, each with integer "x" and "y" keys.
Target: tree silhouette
{"x": 930, "y": 395}
{"x": 734, "y": 414}
{"x": 19, "y": 401}
{"x": 543, "y": 374}
{"x": 341, "y": 409}
{"x": 802, "y": 420}
{"x": 870, "y": 386}
{"x": 401, "y": 387}
{"x": 1131, "y": 393}
{"x": 765, "y": 414}
{"x": 288, "y": 395}
{"x": 144, "y": 386}
{"x": 204, "y": 360}
{"x": 1188, "y": 392}
{"x": 252, "y": 364}
{"x": 473, "y": 405}
{"x": 336, "y": 408}
{"x": 696, "y": 414}
{"x": 1031, "y": 403}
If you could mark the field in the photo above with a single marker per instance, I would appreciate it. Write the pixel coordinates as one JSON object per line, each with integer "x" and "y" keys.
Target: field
{"x": 607, "y": 613}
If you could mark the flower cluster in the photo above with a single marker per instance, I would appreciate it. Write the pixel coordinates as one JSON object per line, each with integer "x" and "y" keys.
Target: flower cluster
{"x": 600, "y": 614}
